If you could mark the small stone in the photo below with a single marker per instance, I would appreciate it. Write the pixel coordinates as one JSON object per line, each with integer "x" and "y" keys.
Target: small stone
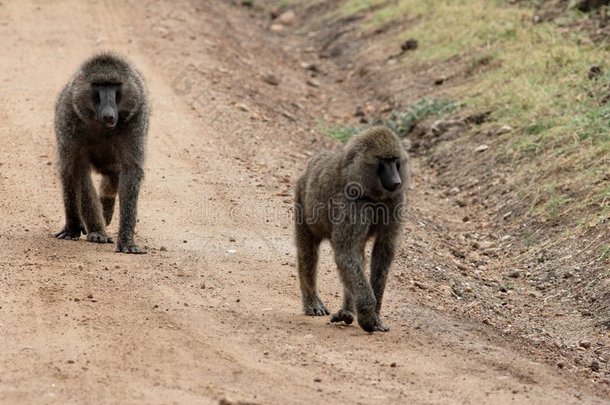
{"x": 595, "y": 365}
{"x": 481, "y": 148}
{"x": 276, "y": 27}
{"x": 70, "y": 361}
{"x": 317, "y": 379}
{"x": 313, "y": 82}
{"x": 89, "y": 295}
{"x": 232, "y": 240}
{"x": 271, "y": 79}
{"x": 420, "y": 285}
{"x": 163, "y": 249}
{"x": 409, "y": 45}
{"x": 505, "y": 129}
{"x": 514, "y": 274}
{"x": 594, "y": 72}
{"x": 287, "y": 18}
{"x": 561, "y": 364}
{"x": 393, "y": 364}
{"x": 155, "y": 306}
{"x": 439, "y": 80}
{"x": 243, "y": 107}
{"x": 359, "y": 112}
{"x": 585, "y": 344}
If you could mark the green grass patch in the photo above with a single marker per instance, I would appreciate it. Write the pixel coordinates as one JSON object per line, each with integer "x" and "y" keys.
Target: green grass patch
{"x": 341, "y": 134}
{"x": 403, "y": 122}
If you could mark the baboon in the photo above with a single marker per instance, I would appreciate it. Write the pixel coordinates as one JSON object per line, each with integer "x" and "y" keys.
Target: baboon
{"x": 347, "y": 197}
{"x": 101, "y": 123}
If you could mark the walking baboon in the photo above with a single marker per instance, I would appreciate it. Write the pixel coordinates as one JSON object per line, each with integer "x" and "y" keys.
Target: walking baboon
{"x": 348, "y": 197}
{"x": 101, "y": 122}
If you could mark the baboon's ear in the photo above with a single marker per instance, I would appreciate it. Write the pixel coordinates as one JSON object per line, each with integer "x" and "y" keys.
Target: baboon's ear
{"x": 350, "y": 155}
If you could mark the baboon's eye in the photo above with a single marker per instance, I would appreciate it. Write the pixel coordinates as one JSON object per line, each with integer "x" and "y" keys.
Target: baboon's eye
{"x": 118, "y": 96}
{"x": 380, "y": 168}
{"x": 398, "y": 165}
{"x": 96, "y": 97}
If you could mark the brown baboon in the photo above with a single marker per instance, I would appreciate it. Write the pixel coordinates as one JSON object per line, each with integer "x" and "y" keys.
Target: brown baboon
{"x": 101, "y": 122}
{"x": 348, "y": 197}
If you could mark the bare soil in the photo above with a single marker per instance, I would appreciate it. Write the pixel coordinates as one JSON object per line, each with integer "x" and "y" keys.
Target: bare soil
{"x": 212, "y": 312}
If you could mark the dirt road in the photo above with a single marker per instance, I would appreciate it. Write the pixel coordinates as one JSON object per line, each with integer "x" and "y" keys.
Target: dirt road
{"x": 213, "y": 310}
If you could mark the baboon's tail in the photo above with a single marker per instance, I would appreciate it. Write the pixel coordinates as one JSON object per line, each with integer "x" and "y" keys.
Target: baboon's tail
{"x": 108, "y": 191}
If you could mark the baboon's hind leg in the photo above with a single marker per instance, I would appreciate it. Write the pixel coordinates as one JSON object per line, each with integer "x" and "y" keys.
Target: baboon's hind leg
{"x": 307, "y": 257}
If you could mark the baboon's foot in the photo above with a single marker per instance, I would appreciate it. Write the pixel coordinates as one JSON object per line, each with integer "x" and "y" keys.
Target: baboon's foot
{"x": 69, "y": 234}
{"x": 99, "y": 237}
{"x": 129, "y": 248}
{"x": 315, "y": 307}
{"x": 343, "y": 315}
{"x": 381, "y": 327}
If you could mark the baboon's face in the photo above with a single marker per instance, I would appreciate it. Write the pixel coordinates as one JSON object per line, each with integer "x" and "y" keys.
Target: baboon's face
{"x": 388, "y": 172}
{"x": 106, "y": 98}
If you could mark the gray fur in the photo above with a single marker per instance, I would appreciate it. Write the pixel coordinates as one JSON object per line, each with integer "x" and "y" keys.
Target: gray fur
{"x": 341, "y": 197}
{"x": 84, "y": 143}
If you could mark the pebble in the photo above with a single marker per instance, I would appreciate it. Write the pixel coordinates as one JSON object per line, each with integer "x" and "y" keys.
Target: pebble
{"x": 481, "y": 148}
{"x": 393, "y": 364}
{"x": 163, "y": 249}
{"x": 594, "y": 72}
{"x": 409, "y": 45}
{"x": 585, "y": 344}
{"x": 595, "y": 365}
{"x": 505, "y": 129}
{"x": 287, "y": 18}
{"x": 317, "y": 379}
{"x": 271, "y": 79}
{"x": 276, "y": 27}
{"x": 420, "y": 285}
{"x": 313, "y": 82}
{"x": 514, "y": 274}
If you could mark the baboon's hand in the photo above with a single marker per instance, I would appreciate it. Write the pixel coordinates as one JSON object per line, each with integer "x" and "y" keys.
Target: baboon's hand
{"x": 99, "y": 237}
{"x": 343, "y": 316}
{"x": 129, "y": 247}
{"x": 69, "y": 234}
{"x": 370, "y": 322}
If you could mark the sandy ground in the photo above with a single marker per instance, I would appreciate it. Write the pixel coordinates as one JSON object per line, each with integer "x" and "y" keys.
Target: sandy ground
{"x": 212, "y": 311}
